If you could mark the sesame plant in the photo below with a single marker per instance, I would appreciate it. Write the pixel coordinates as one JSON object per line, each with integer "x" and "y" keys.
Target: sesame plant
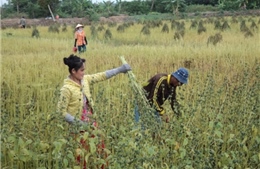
{"x": 54, "y": 28}
{"x": 35, "y": 32}
{"x": 64, "y": 27}
{"x": 194, "y": 24}
{"x": 121, "y": 28}
{"x": 201, "y": 27}
{"x": 108, "y": 34}
{"x": 218, "y": 123}
{"x": 165, "y": 28}
{"x": 146, "y": 30}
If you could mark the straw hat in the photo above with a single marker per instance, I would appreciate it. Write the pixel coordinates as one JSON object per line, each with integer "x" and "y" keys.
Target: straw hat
{"x": 79, "y": 25}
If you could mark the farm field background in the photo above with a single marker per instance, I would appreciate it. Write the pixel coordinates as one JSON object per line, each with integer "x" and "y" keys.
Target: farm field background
{"x": 219, "y": 108}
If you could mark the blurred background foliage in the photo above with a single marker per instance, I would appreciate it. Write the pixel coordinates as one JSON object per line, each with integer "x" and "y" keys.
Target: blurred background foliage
{"x": 88, "y": 8}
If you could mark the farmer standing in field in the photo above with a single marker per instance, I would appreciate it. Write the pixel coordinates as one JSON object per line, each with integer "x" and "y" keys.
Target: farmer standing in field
{"x": 22, "y": 22}
{"x": 80, "y": 39}
{"x": 162, "y": 87}
{"x": 75, "y": 102}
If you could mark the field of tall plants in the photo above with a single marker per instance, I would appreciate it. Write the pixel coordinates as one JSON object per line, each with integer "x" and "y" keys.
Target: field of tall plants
{"x": 219, "y": 109}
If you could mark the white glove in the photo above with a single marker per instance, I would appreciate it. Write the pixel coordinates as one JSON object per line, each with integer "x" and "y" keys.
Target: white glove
{"x": 122, "y": 69}
{"x": 72, "y": 120}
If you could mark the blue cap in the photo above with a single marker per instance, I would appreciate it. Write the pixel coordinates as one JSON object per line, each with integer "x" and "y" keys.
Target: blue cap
{"x": 181, "y": 75}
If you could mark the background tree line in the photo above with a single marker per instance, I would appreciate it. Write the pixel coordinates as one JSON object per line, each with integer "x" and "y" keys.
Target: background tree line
{"x": 86, "y": 8}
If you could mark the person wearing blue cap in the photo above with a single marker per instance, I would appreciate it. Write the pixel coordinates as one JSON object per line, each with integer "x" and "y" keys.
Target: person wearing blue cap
{"x": 162, "y": 87}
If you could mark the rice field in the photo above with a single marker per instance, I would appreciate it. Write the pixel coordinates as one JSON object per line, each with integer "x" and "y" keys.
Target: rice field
{"x": 219, "y": 107}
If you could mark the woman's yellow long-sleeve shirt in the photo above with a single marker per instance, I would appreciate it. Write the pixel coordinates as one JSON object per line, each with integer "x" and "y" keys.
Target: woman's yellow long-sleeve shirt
{"x": 71, "y": 94}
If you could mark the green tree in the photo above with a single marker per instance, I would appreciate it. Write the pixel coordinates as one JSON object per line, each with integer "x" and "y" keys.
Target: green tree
{"x": 253, "y": 4}
{"x": 159, "y": 6}
{"x": 33, "y": 9}
{"x": 234, "y": 5}
{"x": 175, "y": 5}
{"x": 202, "y": 2}
{"x": 19, "y": 5}
{"x": 135, "y": 7}
{"x": 119, "y": 4}
{"x": 108, "y": 5}
{"x": 75, "y": 8}
{"x": 242, "y": 3}
{"x": 54, "y": 4}
{"x": 152, "y": 5}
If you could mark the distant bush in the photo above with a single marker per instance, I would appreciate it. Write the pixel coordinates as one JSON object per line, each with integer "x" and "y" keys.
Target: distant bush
{"x": 200, "y": 8}
{"x": 94, "y": 17}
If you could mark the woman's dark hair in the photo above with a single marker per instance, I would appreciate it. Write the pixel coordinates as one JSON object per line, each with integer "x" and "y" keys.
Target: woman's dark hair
{"x": 73, "y": 62}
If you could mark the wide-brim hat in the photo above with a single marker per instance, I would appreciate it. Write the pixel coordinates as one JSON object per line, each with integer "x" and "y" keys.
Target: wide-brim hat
{"x": 181, "y": 75}
{"x": 79, "y": 25}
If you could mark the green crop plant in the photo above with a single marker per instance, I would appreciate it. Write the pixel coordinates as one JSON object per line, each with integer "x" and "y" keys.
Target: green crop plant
{"x": 219, "y": 108}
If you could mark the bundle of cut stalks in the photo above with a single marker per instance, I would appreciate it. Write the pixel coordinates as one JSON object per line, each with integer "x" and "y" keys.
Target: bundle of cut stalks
{"x": 136, "y": 87}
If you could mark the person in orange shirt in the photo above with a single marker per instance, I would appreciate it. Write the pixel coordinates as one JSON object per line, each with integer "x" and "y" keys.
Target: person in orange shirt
{"x": 80, "y": 39}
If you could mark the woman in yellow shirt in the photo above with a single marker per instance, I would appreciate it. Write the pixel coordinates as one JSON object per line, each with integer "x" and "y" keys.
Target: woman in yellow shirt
{"x": 75, "y": 102}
